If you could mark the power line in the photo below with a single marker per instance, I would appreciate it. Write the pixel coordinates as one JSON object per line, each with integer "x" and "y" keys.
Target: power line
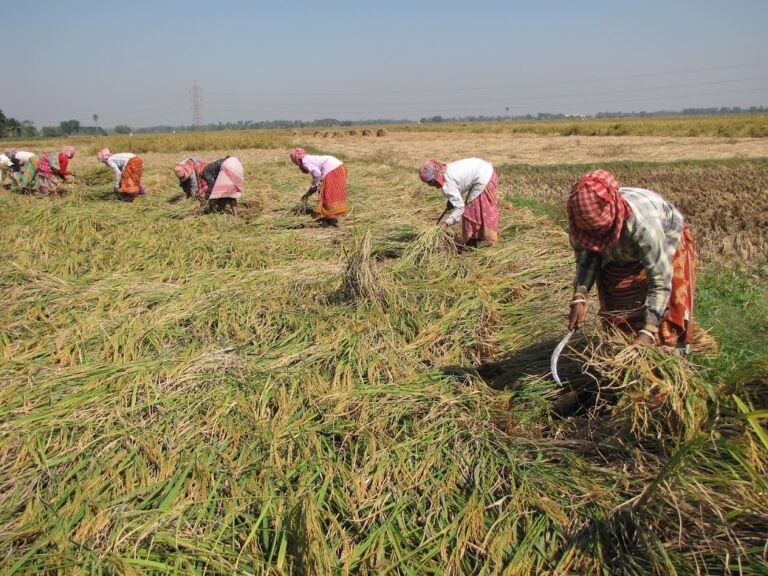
{"x": 501, "y": 99}
{"x": 471, "y": 109}
{"x": 447, "y": 89}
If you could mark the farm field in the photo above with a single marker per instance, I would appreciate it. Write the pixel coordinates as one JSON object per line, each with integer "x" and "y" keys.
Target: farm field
{"x": 192, "y": 393}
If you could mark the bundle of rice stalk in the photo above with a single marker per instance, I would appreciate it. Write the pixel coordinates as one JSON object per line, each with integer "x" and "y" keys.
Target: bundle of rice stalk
{"x": 94, "y": 177}
{"x": 428, "y": 246}
{"x": 702, "y": 342}
{"x": 649, "y": 391}
{"x": 362, "y": 279}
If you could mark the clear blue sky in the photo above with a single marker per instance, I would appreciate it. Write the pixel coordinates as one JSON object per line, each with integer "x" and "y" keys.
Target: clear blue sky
{"x": 135, "y": 62}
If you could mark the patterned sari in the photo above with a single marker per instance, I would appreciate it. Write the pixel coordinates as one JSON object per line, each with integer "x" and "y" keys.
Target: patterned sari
{"x": 48, "y": 169}
{"x": 332, "y": 193}
{"x": 480, "y": 220}
{"x": 26, "y": 177}
{"x": 623, "y": 288}
{"x": 130, "y": 177}
{"x": 229, "y": 182}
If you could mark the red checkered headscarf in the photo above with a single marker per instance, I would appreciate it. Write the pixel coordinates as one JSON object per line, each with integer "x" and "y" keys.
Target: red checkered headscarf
{"x": 433, "y": 171}
{"x": 596, "y": 211}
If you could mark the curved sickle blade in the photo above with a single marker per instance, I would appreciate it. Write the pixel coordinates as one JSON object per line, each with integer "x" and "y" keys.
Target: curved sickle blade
{"x": 556, "y": 356}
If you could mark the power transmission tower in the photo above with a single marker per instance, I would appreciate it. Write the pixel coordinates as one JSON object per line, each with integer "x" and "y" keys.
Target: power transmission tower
{"x": 197, "y": 106}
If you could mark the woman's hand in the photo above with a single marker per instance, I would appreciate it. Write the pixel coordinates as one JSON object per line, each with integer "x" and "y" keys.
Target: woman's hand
{"x": 645, "y": 338}
{"x": 578, "y": 315}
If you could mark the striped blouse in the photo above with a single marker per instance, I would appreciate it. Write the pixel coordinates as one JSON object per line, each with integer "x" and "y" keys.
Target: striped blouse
{"x": 650, "y": 235}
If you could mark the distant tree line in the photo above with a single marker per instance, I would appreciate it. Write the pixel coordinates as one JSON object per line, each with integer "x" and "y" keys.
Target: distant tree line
{"x": 714, "y": 111}
{"x": 266, "y": 124}
{"x": 12, "y": 128}
{"x": 70, "y": 127}
{"x": 333, "y": 122}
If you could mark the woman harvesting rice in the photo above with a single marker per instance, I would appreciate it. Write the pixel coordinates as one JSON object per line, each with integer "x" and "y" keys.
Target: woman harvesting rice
{"x": 189, "y": 172}
{"x": 5, "y": 166}
{"x": 224, "y": 183}
{"x": 52, "y": 167}
{"x": 479, "y": 211}
{"x": 637, "y": 248}
{"x": 127, "y": 168}
{"x": 329, "y": 179}
{"x": 24, "y": 169}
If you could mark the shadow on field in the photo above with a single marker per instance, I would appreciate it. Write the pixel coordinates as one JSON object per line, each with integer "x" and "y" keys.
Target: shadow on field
{"x": 175, "y": 198}
{"x": 531, "y": 361}
{"x": 111, "y": 196}
{"x": 527, "y": 371}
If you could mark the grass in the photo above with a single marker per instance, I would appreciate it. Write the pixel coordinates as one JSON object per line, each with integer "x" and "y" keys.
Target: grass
{"x": 188, "y": 393}
{"x": 734, "y": 303}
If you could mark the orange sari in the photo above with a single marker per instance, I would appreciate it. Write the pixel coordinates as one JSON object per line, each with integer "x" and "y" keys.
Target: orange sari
{"x": 332, "y": 193}
{"x": 130, "y": 177}
{"x": 622, "y": 291}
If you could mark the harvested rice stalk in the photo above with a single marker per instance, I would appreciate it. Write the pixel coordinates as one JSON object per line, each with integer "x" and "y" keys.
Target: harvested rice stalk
{"x": 362, "y": 279}
{"x": 94, "y": 177}
{"x": 653, "y": 392}
{"x": 702, "y": 342}
{"x": 432, "y": 244}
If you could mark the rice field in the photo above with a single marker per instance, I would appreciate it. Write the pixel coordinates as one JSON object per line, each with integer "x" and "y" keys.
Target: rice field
{"x": 188, "y": 393}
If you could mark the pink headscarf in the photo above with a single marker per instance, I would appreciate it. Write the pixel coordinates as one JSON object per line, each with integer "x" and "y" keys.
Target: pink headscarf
{"x": 103, "y": 154}
{"x": 68, "y": 151}
{"x": 596, "y": 211}
{"x": 183, "y": 171}
{"x": 433, "y": 171}
{"x": 296, "y": 155}
{"x": 10, "y": 152}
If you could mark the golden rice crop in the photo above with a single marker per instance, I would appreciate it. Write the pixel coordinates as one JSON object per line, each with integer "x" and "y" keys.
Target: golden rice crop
{"x": 187, "y": 393}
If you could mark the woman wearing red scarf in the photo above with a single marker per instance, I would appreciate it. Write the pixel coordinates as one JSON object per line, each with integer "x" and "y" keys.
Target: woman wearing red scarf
{"x": 329, "y": 180}
{"x": 638, "y": 250}
{"x": 478, "y": 210}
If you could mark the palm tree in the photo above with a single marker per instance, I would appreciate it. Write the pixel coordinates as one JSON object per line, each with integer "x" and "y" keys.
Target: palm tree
{"x": 96, "y": 119}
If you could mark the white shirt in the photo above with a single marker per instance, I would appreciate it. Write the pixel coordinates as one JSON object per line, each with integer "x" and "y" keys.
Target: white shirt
{"x": 469, "y": 176}
{"x": 23, "y": 157}
{"x": 117, "y": 162}
{"x": 319, "y": 166}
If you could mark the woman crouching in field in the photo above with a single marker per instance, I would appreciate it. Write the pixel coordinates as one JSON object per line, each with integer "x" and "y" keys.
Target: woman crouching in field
{"x": 637, "y": 248}
{"x": 189, "y": 172}
{"x": 54, "y": 167}
{"x": 479, "y": 209}
{"x": 127, "y": 168}
{"x": 5, "y": 167}
{"x": 224, "y": 183}
{"x": 24, "y": 170}
{"x": 329, "y": 179}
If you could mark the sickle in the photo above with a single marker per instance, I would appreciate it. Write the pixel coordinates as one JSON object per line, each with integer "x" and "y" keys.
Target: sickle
{"x": 556, "y": 355}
